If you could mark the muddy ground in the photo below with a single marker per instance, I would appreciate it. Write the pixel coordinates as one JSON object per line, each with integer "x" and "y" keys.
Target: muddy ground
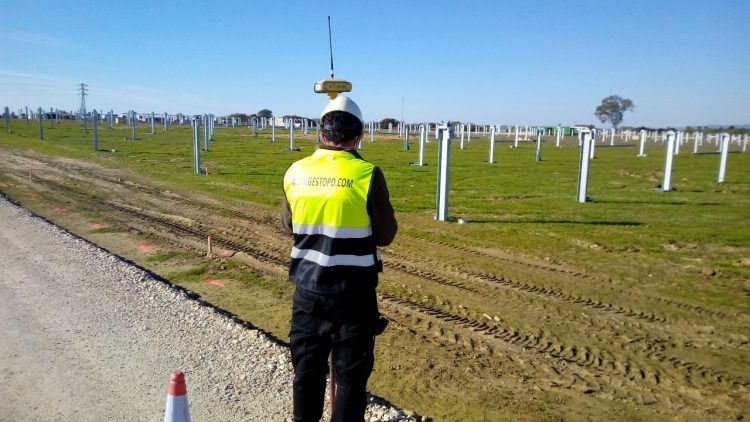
{"x": 475, "y": 333}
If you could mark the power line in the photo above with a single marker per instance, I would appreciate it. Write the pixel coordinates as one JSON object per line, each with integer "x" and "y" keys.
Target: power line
{"x": 84, "y": 90}
{"x": 82, "y": 109}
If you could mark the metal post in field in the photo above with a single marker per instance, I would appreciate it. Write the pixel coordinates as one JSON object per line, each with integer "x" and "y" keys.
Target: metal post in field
{"x": 462, "y": 129}
{"x": 643, "y": 143}
{"x": 468, "y": 137}
{"x": 539, "y": 145}
{"x": 671, "y": 137}
{"x": 41, "y": 125}
{"x": 696, "y": 142}
{"x": 585, "y": 137}
{"x": 406, "y": 138}
{"x": 95, "y": 128}
{"x": 291, "y": 135}
{"x": 723, "y": 158}
{"x": 559, "y": 137}
{"x": 205, "y": 132}
{"x": 273, "y": 129}
{"x": 515, "y": 140}
{"x": 677, "y": 143}
{"x": 612, "y": 138}
{"x": 492, "y": 145}
{"x": 196, "y": 146}
{"x": 443, "y": 172}
{"x": 152, "y": 124}
{"x": 422, "y": 140}
{"x": 132, "y": 125}
{"x": 6, "y": 114}
{"x": 166, "y": 120}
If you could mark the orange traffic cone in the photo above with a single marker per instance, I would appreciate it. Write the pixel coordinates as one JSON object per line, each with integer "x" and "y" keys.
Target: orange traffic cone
{"x": 177, "y": 402}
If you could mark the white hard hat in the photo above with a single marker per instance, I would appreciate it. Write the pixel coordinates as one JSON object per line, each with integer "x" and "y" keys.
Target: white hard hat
{"x": 343, "y": 103}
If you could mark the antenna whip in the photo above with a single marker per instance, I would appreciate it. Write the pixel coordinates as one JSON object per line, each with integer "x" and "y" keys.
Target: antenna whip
{"x": 330, "y": 44}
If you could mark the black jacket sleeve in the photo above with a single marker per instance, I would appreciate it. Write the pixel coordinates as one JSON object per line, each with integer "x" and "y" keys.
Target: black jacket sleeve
{"x": 380, "y": 210}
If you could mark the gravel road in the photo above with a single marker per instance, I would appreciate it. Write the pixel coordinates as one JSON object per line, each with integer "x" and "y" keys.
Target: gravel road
{"x": 85, "y": 336}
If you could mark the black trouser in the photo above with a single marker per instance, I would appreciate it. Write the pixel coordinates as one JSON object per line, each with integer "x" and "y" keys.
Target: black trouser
{"x": 342, "y": 325}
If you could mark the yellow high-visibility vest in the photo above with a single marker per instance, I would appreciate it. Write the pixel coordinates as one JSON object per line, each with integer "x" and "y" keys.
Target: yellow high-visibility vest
{"x": 334, "y": 251}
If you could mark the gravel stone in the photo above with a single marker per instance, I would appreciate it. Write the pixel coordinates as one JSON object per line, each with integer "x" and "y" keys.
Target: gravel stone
{"x": 89, "y": 337}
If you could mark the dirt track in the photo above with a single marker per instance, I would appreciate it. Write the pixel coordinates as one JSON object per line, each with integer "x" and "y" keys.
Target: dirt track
{"x": 505, "y": 321}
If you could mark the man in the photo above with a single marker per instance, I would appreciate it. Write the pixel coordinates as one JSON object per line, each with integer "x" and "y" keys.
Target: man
{"x": 337, "y": 206}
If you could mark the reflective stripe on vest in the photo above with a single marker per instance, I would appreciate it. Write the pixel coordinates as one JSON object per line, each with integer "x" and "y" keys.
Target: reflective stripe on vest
{"x": 327, "y": 194}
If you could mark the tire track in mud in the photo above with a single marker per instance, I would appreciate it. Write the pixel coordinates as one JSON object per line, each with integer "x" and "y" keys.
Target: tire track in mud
{"x": 198, "y": 233}
{"x": 643, "y": 344}
{"x": 484, "y": 337}
{"x": 560, "y": 295}
{"x": 426, "y": 275}
{"x": 573, "y": 273}
{"x": 562, "y": 364}
{"x": 201, "y": 234}
{"x": 528, "y": 288}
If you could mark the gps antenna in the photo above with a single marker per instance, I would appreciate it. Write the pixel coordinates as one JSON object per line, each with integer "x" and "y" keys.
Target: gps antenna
{"x": 330, "y": 44}
{"x": 331, "y": 86}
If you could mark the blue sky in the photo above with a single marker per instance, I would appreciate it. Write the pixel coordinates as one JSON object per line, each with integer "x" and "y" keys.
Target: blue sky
{"x": 502, "y": 62}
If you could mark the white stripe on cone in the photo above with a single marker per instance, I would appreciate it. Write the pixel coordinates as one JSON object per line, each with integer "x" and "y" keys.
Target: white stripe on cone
{"x": 177, "y": 403}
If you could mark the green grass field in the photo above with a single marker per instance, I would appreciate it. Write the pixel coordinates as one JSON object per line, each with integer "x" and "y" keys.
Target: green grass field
{"x": 516, "y": 202}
